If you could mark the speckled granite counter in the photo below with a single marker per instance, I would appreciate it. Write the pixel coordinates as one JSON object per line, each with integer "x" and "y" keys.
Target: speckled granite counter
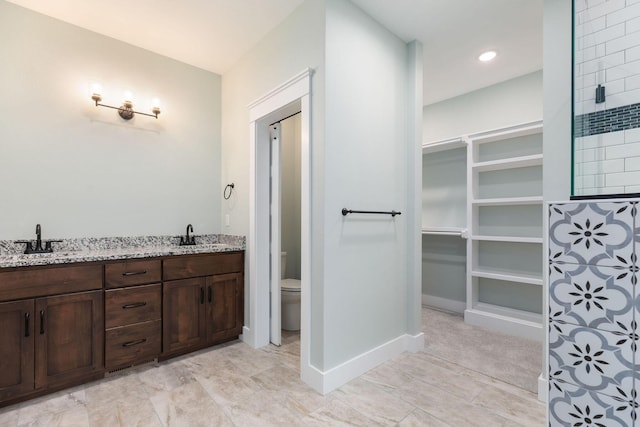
{"x": 114, "y": 248}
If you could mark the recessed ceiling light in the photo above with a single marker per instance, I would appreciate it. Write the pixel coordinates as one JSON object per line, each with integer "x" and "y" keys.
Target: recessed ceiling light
{"x": 487, "y": 56}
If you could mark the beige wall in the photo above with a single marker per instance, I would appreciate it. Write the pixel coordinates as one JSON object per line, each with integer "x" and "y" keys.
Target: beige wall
{"x": 83, "y": 171}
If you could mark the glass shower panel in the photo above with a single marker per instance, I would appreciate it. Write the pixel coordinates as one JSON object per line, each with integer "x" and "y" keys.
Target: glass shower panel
{"x": 606, "y": 98}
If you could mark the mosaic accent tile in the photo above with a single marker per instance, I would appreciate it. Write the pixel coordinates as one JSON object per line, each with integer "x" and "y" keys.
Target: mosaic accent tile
{"x": 592, "y": 296}
{"x": 598, "y": 233}
{"x": 605, "y": 121}
{"x": 570, "y": 405}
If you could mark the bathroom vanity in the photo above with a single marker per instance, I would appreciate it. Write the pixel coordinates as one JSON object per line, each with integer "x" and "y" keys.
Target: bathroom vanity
{"x": 72, "y": 317}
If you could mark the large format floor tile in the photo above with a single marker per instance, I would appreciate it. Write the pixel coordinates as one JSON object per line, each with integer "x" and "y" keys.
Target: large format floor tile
{"x": 235, "y": 385}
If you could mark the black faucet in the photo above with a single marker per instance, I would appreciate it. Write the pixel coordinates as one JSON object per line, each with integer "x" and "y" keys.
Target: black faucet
{"x": 38, "y": 238}
{"x": 38, "y": 249}
{"x": 188, "y": 240}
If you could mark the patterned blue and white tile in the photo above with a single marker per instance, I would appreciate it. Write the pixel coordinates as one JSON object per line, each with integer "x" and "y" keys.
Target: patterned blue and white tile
{"x": 595, "y": 360}
{"x": 592, "y": 296}
{"x": 599, "y": 233}
{"x": 570, "y": 405}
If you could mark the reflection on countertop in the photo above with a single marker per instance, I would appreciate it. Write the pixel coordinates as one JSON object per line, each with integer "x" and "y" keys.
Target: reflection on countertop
{"x": 116, "y": 248}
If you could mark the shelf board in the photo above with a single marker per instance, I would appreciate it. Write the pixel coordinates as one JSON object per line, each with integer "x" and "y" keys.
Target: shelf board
{"x": 445, "y": 231}
{"x": 523, "y": 129}
{"x": 511, "y": 201}
{"x": 506, "y": 320}
{"x": 449, "y": 144}
{"x": 508, "y": 277}
{"x": 509, "y": 239}
{"x": 510, "y": 163}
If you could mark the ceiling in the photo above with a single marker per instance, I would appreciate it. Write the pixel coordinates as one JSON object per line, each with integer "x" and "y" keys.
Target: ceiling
{"x": 214, "y": 34}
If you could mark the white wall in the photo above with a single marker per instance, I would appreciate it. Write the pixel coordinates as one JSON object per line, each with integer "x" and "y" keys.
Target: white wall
{"x": 556, "y": 167}
{"x": 296, "y": 44}
{"x": 290, "y": 140}
{"x": 80, "y": 170}
{"x": 359, "y": 279}
{"x": 515, "y": 101}
{"x": 365, "y": 270}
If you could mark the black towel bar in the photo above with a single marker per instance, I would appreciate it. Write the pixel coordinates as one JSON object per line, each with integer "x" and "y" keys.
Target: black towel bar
{"x": 346, "y": 211}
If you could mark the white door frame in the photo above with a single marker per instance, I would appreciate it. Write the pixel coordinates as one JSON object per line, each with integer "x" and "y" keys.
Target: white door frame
{"x": 288, "y": 98}
{"x": 276, "y": 231}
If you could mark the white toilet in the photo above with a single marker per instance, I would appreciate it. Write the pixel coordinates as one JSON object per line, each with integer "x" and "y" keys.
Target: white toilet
{"x": 289, "y": 299}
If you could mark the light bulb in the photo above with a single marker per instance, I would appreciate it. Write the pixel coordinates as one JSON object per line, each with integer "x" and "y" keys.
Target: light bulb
{"x": 487, "y": 56}
{"x": 128, "y": 99}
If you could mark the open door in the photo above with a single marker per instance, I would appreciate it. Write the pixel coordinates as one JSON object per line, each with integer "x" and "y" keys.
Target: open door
{"x": 274, "y": 232}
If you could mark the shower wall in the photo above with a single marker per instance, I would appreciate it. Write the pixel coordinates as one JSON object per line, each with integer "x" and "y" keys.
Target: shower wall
{"x": 606, "y": 130}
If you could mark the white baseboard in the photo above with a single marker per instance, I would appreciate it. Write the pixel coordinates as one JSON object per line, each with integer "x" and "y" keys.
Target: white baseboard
{"x": 326, "y": 382}
{"x": 247, "y": 337}
{"x": 444, "y": 303}
{"x": 504, "y": 324}
{"x": 543, "y": 389}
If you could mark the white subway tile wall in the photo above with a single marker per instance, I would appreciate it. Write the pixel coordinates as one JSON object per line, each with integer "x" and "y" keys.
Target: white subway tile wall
{"x": 607, "y": 136}
{"x": 610, "y": 161}
{"x": 607, "y": 52}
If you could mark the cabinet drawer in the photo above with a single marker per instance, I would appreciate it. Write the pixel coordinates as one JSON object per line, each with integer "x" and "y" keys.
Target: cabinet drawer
{"x": 130, "y": 273}
{"x": 37, "y": 282}
{"x": 132, "y": 305}
{"x": 130, "y": 344}
{"x": 181, "y": 267}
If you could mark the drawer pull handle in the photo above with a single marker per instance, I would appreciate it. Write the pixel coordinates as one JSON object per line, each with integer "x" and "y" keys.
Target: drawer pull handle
{"x": 201, "y": 295}
{"x": 134, "y": 273}
{"x": 136, "y": 342}
{"x": 41, "y": 322}
{"x": 134, "y": 305}
{"x": 26, "y": 324}
{"x": 210, "y": 294}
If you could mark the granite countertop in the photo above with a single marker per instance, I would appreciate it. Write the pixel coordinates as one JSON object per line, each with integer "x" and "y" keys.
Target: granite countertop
{"x": 115, "y": 248}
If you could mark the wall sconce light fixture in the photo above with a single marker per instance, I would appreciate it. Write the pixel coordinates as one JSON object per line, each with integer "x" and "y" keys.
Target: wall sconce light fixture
{"x": 126, "y": 110}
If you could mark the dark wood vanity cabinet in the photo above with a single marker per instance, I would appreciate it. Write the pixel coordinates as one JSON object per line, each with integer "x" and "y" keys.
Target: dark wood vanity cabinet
{"x": 69, "y": 338}
{"x": 16, "y": 348}
{"x": 203, "y": 301}
{"x": 49, "y": 338}
{"x": 64, "y": 325}
{"x": 133, "y": 313}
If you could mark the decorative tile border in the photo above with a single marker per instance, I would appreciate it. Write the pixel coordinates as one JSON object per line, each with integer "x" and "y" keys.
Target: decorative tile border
{"x": 611, "y": 120}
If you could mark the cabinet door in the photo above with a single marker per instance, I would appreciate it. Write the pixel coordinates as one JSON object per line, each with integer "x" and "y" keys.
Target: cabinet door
{"x": 16, "y": 348}
{"x": 69, "y": 338}
{"x": 183, "y": 314}
{"x": 224, "y": 306}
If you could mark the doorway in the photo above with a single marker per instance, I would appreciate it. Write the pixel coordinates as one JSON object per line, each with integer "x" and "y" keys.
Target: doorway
{"x": 291, "y": 97}
{"x": 285, "y": 203}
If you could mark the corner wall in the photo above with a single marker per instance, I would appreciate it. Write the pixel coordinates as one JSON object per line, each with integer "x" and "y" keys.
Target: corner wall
{"x": 368, "y": 112}
{"x": 82, "y": 171}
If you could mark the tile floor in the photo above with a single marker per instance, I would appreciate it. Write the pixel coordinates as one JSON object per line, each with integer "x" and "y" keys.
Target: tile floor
{"x": 234, "y": 385}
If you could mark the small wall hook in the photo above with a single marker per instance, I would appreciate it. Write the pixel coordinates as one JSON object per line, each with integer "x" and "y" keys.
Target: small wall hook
{"x": 230, "y": 188}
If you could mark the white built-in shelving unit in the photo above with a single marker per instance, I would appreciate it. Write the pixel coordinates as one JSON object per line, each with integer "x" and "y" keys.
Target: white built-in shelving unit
{"x": 502, "y": 202}
{"x": 504, "y": 217}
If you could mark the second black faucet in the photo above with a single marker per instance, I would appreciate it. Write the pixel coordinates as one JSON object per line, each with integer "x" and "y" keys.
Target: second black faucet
{"x": 188, "y": 240}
